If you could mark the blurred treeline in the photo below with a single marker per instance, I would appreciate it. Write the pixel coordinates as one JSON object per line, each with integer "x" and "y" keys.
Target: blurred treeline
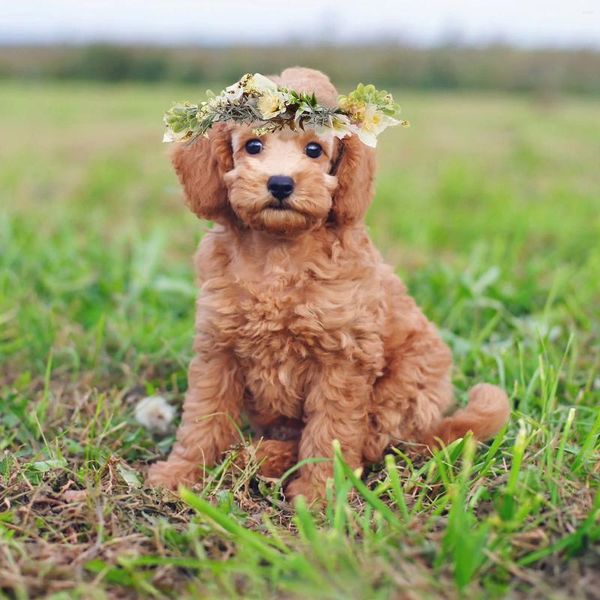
{"x": 494, "y": 67}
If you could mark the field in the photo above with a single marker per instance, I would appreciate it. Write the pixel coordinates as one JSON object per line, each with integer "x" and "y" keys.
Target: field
{"x": 489, "y": 208}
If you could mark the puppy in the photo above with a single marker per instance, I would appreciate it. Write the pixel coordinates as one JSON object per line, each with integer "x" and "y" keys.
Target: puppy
{"x": 300, "y": 325}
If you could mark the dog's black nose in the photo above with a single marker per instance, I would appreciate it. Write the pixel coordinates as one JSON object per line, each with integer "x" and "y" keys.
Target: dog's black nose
{"x": 280, "y": 186}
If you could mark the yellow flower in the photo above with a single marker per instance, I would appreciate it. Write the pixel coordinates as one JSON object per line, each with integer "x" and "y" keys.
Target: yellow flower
{"x": 356, "y": 109}
{"x": 270, "y": 104}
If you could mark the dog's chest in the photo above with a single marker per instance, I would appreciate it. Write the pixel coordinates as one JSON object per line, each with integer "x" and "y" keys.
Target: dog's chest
{"x": 289, "y": 329}
{"x": 281, "y": 319}
{"x": 289, "y": 316}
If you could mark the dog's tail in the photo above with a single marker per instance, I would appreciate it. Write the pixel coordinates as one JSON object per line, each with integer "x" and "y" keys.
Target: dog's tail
{"x": 485, "y": 414}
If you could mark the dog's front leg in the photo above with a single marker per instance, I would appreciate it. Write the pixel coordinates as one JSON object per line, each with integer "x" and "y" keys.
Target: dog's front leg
{"x": 211, "y": 413}
{"x": 335, "y": 408}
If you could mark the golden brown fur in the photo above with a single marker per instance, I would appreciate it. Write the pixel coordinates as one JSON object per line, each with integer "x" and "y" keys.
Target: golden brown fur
{"x": 300, "y": 325}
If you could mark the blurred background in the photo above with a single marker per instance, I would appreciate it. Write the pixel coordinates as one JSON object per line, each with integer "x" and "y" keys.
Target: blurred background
{"x": 490, "y": 199}
{"x": 536, "y": 46}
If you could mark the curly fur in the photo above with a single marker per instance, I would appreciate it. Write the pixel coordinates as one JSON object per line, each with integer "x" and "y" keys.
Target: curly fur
{"x": 300, "y": 324}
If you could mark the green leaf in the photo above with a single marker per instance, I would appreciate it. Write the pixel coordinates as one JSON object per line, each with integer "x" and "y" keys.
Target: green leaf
{"x": 43, "y": 466}
{"x": 129, "y": 476}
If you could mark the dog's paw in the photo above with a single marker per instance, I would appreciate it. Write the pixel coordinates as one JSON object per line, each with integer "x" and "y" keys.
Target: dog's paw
{"x": 312, "y": 491}
{"x": 273, "y": 457}
{"x": 276, "y": 457}
{"x": 170, "y": 474}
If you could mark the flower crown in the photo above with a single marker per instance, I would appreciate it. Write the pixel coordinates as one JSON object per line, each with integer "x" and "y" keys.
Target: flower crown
{"x": 366, "y": 111}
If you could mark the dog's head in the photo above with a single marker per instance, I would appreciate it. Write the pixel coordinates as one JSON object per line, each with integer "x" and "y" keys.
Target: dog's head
{"x": 284, "y": 182}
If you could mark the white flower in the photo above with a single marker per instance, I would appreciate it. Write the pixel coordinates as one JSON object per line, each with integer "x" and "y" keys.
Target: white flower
{"x": 258, "y": 84}
{"x": 169, "y": 137}
{"x": 343, "y": 126}
{"x": 214, "y": 103}
{"x": 340, "y": 127}
{"x": 254, "y": 85}
{"x": 271, "y": 103}
{"x": 367, "y": 137}
{"x": 155, "y": 414}
{"x": 233, "y": 93}
{"x": 373, "y": 123}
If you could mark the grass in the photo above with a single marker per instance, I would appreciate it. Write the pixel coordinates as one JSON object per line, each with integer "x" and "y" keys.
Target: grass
{"x": 487, "y": 206}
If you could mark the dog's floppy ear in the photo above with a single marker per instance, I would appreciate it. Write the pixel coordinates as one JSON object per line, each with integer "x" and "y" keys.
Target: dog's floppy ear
{"x": 355, "y": 170}
{"x": 200, "y": 166}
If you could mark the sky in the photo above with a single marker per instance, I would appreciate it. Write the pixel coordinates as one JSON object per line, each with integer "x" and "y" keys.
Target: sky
{"x": 527, "y": 23}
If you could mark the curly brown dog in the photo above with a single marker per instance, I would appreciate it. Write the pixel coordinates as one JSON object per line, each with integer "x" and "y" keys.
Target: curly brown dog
{"x": 300, "y": 325}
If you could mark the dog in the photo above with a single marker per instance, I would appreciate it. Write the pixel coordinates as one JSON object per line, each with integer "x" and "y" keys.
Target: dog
{"x": 300, "y": 325}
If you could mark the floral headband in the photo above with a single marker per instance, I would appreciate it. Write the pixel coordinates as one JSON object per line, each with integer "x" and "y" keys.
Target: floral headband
{"x": 255, "y": 98}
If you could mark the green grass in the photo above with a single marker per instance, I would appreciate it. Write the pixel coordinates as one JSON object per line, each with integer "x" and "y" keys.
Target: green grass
{"x": 488, "y": 207}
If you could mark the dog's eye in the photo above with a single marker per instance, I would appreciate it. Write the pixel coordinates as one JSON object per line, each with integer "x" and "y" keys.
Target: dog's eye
{"x": 253, "y": 146}
{"x": 313, "y": 150}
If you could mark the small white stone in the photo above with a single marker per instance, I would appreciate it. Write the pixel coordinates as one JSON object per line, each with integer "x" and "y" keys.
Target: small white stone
{"x": 155, "y": 414}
